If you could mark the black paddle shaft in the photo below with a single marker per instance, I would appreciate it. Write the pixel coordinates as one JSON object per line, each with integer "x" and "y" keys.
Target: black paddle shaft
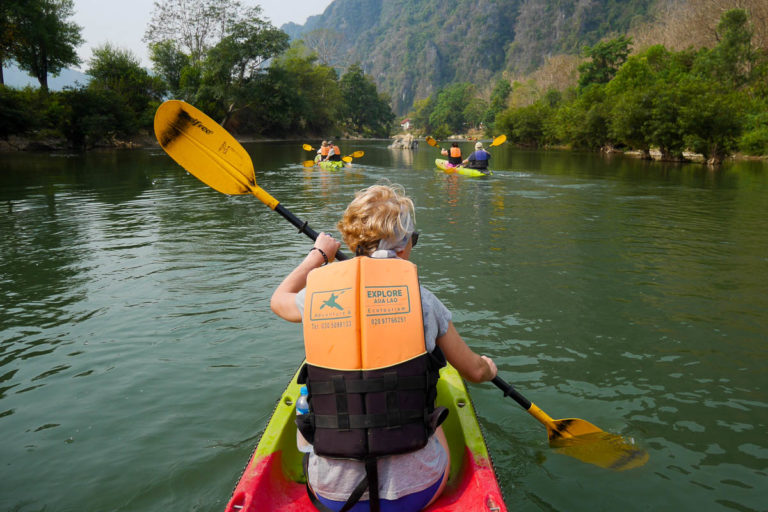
{"x": 303, "y": 227}
{"x": 510, "y": 391}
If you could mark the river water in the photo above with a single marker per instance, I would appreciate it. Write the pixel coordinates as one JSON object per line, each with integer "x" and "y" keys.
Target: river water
{"x": 140, "y": 362}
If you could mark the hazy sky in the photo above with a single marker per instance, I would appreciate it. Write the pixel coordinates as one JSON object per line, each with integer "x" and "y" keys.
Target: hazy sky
{"x": 123, "y": 22}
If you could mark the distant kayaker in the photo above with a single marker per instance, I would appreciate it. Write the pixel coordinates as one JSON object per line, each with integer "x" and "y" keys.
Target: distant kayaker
{"x": 453, "y": 154}
{"x": 322, "y": 151}
{"x": 479, "y": 158}
{"x": 372, "y": 361}
{"x": 334, "y": 153}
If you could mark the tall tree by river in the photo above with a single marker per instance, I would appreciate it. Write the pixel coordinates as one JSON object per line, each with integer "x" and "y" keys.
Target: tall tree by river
{"x": 42, "y": 41}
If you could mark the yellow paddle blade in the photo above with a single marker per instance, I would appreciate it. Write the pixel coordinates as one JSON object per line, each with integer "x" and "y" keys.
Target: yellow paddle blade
{"x": 206, "y": 150}
{"x": 356, "y": 154}
{"x": 308, "y": 163}
{"x": 203, "y": 148}
{"x": 498, "y": 141}
{"x": 603, "y": 449}
{"x": 584, "y": 441}
{"x": 432, "y": 142}
{"x": 307, "y": 147}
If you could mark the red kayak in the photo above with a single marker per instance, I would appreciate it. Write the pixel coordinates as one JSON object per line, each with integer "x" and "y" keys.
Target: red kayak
{"x": 274, "y": 480}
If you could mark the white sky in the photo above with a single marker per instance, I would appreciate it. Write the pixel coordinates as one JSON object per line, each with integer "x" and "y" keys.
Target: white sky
{"x": 123, "y": 22}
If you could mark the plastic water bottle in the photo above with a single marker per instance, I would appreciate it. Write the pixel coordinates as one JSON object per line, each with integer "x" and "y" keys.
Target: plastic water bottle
{"x": 302, "y": 407}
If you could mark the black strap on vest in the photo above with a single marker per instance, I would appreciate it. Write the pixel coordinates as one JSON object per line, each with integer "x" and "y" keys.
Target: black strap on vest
{"x": 388, "y": 382}
{"x": 392, "y": 418}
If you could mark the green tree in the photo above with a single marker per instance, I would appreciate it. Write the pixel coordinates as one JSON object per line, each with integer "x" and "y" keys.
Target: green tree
{"x": 422, "y": 110}
{"x": 754, "y": 140}
{"x": 583, "y": 122}
{"x": 606, "y": 59}
{"x": 499, "y": 96}
{"x": 645, "y": 101}
{"x": 9, "y": 15}
{"x": 236, "y": 62}
{"x": 169, "y": 63}
{"x": 476, "y": 112}
{"x": 629, "y": 95}
{"x": 298, "y": 95}
{"x": 45, "y": 41}
{"x": 17, "y": 111}
{"x": 450, "y": 105}
{"x": 88, "y": 116}
{"x": 119, "y": 70}
{"x": 712, "y": 119}
{"x": 733, "y": 59}
{"x": 363, "y": 109}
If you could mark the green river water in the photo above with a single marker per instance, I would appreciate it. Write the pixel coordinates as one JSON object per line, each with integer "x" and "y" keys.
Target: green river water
{"x": 139, "y": 361}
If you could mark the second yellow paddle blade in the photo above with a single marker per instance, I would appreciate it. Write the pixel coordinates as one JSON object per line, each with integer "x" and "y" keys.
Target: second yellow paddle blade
{"x": 432, "y": 142}
{"x": 204, "y": 148}
{"x": 498, "y": 141}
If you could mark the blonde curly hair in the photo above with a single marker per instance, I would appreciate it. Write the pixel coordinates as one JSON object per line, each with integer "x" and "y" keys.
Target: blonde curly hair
{"x": 379, "y": 212}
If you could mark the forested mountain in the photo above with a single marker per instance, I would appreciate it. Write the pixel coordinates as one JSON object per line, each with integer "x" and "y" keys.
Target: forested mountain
{"x": 412, "y": 48}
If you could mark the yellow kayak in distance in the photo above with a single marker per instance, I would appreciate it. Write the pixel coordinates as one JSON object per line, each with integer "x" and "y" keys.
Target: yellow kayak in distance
{"x": 329, "y": 165}
{"x": 442, "y": 164}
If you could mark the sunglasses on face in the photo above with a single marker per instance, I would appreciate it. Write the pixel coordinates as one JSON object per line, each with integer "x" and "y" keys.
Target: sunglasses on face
{"x": 414, "y": 238}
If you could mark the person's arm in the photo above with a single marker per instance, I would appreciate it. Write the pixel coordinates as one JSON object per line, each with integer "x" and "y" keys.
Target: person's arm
{"x": 471, "y": 366}
{"x": 283, "y": 302}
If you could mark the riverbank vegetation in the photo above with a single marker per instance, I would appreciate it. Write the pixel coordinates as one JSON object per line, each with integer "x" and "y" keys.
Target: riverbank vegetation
{"x": 213, "y": 54}
{"x": 711, "y": 101}
{"x": 702, "y": 89}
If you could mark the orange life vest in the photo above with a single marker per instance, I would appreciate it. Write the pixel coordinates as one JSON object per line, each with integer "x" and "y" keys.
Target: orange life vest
{"x": 324, "y": 150}
{"x": 455, "y": 152}
{"x": 365, "y": 349}
{"x": 352, "y": 327}
{"x": 372, "y": 384}
{"x": 336, "y": 153}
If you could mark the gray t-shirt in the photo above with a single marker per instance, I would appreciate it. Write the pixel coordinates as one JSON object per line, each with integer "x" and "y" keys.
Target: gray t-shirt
{"x": 399, "y": 475}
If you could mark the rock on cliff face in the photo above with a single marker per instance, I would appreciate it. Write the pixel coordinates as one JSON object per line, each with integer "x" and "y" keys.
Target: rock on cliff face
{"x": 404, "y": 142}
{"x": 413, "y": 48}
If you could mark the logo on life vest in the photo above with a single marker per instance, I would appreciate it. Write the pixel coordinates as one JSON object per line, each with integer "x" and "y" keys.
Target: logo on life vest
{"x": 387, "y": 300}
{"x": 330, "y": 305}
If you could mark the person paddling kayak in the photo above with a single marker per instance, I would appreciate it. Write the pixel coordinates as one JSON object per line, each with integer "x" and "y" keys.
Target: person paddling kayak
{"x": 453, "y": 154}
{"x": 479, "y": 158}
{"x": 322, "y": 152}
{"x": 334, "y": 153}
{"x": 374, "y": 341}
